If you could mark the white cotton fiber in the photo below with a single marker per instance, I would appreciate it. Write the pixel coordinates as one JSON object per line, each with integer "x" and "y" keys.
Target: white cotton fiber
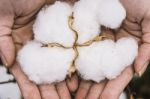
{"x": 90, "y": 15}
{"x": 89, "y": 61}
{"x": 106, "y": 59}
{"x": 85, "y": 22}
{"x": 130, "y": 51}
{"x": 100, "y": 60}
{"x": 111, "y": 13}
{"x": 51, "y": 25}
{"x": 43, "y": 64}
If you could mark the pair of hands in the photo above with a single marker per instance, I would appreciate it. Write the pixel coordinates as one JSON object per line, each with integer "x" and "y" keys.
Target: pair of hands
{"x": 16, "y": 20}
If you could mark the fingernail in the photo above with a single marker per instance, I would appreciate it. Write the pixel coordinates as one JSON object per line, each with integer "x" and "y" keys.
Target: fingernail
{"x": 4, "y": 60}
{"x": 136, "y": 75}
{"x": 142, "y": 70}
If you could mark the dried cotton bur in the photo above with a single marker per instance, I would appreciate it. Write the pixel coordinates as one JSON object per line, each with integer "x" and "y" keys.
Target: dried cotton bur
{"x": 68, "y": 38}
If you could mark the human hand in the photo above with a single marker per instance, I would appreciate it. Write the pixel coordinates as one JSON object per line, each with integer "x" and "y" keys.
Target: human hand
{"x": 105, "y": 89}
{"x": 136, "y": 25}
{"x": 16, "y": 20}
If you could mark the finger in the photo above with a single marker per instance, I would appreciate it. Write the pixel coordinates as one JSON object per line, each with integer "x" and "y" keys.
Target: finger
{"x": 83, "y": 89}
{"x": 7, "y": 50}
{"x": 115, "y": 87}
{"x": 72, "y": 83}
{"x": 142, "y": 60}
{"x": 63, "y": 90}
{"x": 48, "y": 92}
{"x": 96, "y": 90}
{"x": 144, "y": 51}
{"x": 28, "y": 89}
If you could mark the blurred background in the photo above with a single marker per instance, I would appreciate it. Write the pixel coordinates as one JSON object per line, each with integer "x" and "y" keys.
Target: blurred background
{"x": 8, "y": 86}
{"x": 139, "y": 87}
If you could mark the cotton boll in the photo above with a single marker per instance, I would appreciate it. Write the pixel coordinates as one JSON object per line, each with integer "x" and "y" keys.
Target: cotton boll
{"x": 111, "y": 13}
{"x": 51, "y": 25}
{"x": 105, "y": 59}
{"x": 89, "y": 15}
{"x": 85, "y": 22}
{"x": 45, "y": 65}
{"x": 122, "y": 55}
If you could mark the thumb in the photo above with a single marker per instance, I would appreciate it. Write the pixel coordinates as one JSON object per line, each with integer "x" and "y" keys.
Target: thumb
{"x": 72, "y": 83}
{"x": 7, "y": 48}
{"x": 142, "y": 60}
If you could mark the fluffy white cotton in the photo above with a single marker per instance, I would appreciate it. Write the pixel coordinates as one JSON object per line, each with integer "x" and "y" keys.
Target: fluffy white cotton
{"x": 106, "y": 59}
{"x": 111, "y": 13}
{"x": 85, "y": 22}
{"x": 51, "y": 25}
{"x": 130, "y": 52}
{"x": 100, "y": 60}
{"x": 89, "y": 61}
{"x": 43, "y": 64}
{"x": 90, "y": 15}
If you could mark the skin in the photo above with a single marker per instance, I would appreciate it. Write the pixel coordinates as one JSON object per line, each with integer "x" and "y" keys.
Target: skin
{"x": 136, "y": 25}
{"x": 16, "y": 20}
